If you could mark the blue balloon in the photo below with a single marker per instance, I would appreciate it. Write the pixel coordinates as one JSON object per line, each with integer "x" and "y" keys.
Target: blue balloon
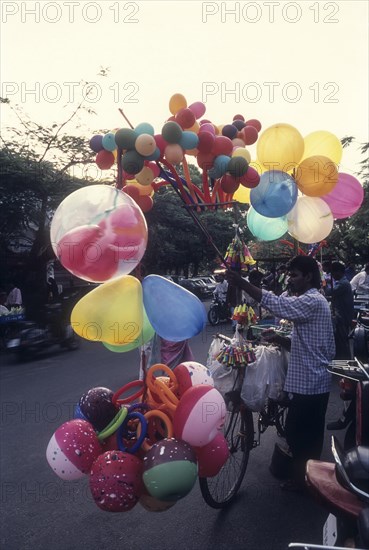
{"x": 78, "y": 413}
{"x": 108, "y": 142}
{"x": 189, "y": 140}
{"x": 96, "y": 143}
{"x": 220, "y": 166}
{"x": 275, "y": 195}
{"x": 266, "y": 229}
{"x": 145, "y": 128}
{"x": 155, "y": 155}
{"x": 175, "y": 313}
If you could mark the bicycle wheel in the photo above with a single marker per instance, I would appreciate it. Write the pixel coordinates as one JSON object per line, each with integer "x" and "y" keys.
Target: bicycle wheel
{"x": 220, "y": 490}
{"x": 213, "y": 315}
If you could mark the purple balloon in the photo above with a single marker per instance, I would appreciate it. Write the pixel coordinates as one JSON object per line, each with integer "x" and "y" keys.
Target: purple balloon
{"x": 96, "y": 143}
{"x": 346, "y": 197}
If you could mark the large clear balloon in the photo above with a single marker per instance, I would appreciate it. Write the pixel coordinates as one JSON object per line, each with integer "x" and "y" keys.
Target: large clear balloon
{"x": 280, "y": 147}
{"x": 266, "y": 229}
{"x": 323, "y": 143}
{"x": 175, "y": 313}
{"x": 99, "y": 233}
{"x": 111, "y": 313}
{"x": 275, "y": 195}
{"x": 346, "y": 198}
{"x": 310, "y": 221}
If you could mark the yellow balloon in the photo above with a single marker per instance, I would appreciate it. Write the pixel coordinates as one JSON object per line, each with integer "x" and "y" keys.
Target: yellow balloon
{"x": 259, "y": 166}
{"x": 316, "y": 176}
{"x": 111, "y": 313}
{"x": 145, "y": 176}
{"x": 242, "y": 152}
{"x": 323, "y": 143}
{"x": 279, "y": 147}
{"x": 242, "y": 194}
{"x": 143, "y": 189}
{"x": 176, "y": 103}
{"x": 310, "y": 220}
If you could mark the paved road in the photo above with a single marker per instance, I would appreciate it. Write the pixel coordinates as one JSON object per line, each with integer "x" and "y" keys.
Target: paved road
{"x": 40, "y": 511}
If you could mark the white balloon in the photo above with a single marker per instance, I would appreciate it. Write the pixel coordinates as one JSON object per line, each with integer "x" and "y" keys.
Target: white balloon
{"x": 310, "y": 220}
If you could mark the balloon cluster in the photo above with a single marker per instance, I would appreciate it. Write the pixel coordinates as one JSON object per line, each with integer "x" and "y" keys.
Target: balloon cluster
{"x": 148, "y": 447}
{"x": 301, "y": 190}
{"x": 294, "y": 181}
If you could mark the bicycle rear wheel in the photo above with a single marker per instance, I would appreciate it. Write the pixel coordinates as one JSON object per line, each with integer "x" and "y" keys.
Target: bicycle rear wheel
{"x": 220, "y": 490}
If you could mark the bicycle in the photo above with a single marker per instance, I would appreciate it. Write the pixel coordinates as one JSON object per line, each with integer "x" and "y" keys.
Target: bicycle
{"x": 219, "y": 491}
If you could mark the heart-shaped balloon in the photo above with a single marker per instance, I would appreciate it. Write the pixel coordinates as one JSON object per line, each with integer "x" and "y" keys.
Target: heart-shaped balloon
{"x": 175, "y": 313}
{"x": 111, "y": 313}
{"x": 146, "y": 334}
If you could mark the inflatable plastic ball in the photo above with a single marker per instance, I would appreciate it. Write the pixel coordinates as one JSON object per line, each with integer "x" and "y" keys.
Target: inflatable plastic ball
{"x": 116, "y": 481}
{"x": 97, "y": 407}
{"x": 170, "y": 470}
{"x": 199, "y": 415}
{"x": 152, "y": 504}
{"x": 72, "y": 449}
{"x": 212, "y": 457}
{"x": 190, "y": 373}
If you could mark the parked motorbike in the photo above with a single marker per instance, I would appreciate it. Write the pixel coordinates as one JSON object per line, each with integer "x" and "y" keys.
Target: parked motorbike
{"x": 51, "y": 328}
{"x": 218, "y": 311}
{"x": 353, "y": 380}
{"x": 343, "y": 488}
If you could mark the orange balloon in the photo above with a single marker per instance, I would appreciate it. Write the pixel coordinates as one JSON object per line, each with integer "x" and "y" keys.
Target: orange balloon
{"x": 316, "y": 176}
{"x": 176, "y": 103}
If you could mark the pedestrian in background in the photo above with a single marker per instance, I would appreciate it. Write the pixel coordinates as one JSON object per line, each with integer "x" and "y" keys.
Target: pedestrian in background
{"x": 342, "y": 310}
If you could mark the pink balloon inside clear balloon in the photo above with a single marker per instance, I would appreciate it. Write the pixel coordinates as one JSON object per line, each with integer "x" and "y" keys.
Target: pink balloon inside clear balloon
{"x": 346, "y": 197}
{"x": 212, "y": 457}
{"x": 198, "y": 109}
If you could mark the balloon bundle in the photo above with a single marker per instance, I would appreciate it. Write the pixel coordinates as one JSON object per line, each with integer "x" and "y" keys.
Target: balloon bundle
{"x": 244, "y": 315}
{"x": 293, "y": 184}
{"x": 238, "y": 256}
{"x": 148, "y": 447}
{"x": 237, "y": 353}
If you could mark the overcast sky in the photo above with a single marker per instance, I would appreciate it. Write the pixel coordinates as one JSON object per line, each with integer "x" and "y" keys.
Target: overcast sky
{"x": 304, "y": 63}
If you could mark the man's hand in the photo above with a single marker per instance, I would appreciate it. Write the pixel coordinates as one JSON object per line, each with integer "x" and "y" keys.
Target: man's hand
{"x": 234, "y": 278}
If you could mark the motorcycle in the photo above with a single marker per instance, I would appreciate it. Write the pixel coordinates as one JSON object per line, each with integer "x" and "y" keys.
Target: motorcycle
{"x": 51, "y": 328}
{"x": 218, "y": 311}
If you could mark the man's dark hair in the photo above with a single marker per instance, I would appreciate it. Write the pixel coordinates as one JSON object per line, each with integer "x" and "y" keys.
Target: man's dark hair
{"x": 307, "y": 264}
{"x": 338, "y": 267}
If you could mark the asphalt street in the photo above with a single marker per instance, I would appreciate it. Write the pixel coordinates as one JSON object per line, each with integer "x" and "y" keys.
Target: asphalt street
{"x": 41, "y": 511}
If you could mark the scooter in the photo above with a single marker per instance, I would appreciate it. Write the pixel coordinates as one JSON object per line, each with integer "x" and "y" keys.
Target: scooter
{"x": 343, "y": 488}
{"x": 51, "y": 329}
{"x": 218, "y": 311}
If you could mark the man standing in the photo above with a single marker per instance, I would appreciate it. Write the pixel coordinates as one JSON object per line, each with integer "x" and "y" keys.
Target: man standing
{"x": 360, "y": 283}
{"x": 342, "y": 310}
{"x": 312, "y": 348}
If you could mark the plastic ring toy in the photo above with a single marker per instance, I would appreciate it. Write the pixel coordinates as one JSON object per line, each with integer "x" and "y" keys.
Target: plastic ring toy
{"x": 136, "y": 383}
{"x": 113, "y": 425}
{"x": 146, "y": 446}
{"x": 141, "y": 432}
{"x": 166, "y": 395}
{"x": 150, "y": 378}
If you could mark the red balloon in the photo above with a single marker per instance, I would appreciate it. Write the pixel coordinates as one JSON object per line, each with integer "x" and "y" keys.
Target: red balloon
{"x": 104, "y": 159}
{"x": 250, "y": 179}
{"x": 205, "y": 160}
{"x": 250, "y": 134}
{"x": 206, "y": 142}
{"x": 239, "y": 117}
{"x": 145, "y": 202}
{"x": 132, "y": 191}
{"x": 161, "y": 143}
{"x": 212, "y": 457}
{"x": 185, "y": 118}
{"x": 229, "y": 184}
{"x": 222, "y": 146}
{"x": 255, "y": 123}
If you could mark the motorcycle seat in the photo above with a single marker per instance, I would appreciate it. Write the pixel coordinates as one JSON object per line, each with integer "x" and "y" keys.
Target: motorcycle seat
{"x": 322, "y": 482}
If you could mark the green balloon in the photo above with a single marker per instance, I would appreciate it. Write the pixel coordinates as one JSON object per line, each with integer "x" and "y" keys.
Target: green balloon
{"x": 172, "y": 132}
{"x": 125, "y": 138}
{"x": 266, "y": 229}
{"x": 172, "y": 480}
{"x": 146, "y": 335}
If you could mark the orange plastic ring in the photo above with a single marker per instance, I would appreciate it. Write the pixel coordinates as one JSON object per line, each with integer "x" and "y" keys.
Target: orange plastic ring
{"x": 159, "y": 366}
{"x": 168, "y": 423}
{"x": 166, "y": 395}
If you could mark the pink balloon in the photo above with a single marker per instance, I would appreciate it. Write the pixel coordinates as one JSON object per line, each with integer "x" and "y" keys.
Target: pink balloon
{"x": 161, "y": 143}
{"x": 346, "y": 197}
{"x": 212, "y": 457}
{"x": 198, "y": 109}
{"x": 207, "y": 127}
{"x": 154, "y": 167}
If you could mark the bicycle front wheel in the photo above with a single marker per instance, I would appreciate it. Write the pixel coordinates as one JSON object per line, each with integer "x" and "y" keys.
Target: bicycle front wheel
{"x": 220, "y": 490}
{"x": 213, "y": 316}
